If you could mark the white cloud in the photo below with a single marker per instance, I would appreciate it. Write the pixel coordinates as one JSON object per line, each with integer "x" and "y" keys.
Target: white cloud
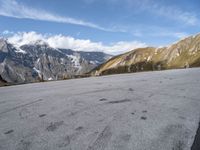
{"x": 176, "y": 14}
{"x": 123, "y": 46}
{"x": 11, "y": 8}
{"x": 177, "y": 35}
{"x": 22, "y": 38}
{"x": 60, "y": 41}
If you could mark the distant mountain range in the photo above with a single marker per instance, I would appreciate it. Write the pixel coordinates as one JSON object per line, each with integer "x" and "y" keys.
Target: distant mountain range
{"x": 183, "y": 54}
{"x": 40, "y": 62}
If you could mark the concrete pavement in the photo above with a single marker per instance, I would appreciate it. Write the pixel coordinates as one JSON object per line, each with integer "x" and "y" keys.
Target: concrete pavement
{"x": 140, "y": 111}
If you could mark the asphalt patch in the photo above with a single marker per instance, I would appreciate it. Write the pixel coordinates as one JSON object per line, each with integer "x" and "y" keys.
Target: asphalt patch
{"x": 9, "y": 131}
{"x": 143, "y": 118}
{"x": 130, "y": 89}
{"x": 103, "y": 99}
{"x": 79, "y": 128}
{"x": 120, "y": 101}
{"x": 42, "y": 115}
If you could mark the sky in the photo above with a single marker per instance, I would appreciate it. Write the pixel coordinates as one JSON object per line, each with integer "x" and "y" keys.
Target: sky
{"x": 111, "y": 26}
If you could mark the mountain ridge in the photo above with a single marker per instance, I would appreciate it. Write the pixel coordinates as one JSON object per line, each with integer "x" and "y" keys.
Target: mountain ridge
{"x": 39, "y": 62}
{"x": 182, "y": 54}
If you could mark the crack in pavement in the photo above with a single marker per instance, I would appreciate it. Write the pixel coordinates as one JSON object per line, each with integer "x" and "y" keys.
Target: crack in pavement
{"x": 27, "y": 104}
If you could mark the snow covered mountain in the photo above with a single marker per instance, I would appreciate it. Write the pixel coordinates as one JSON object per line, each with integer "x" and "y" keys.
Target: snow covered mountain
{"x": 38, "y": 61}
{"x": 183, "y": 54}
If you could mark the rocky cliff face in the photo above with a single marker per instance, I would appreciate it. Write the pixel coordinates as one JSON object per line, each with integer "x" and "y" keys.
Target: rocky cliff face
{"x": 38, "y": 61}
{"x": 183, "y": 54}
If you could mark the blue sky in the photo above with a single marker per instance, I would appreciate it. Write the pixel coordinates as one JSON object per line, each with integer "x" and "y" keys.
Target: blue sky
{"x": 114, "y": 26}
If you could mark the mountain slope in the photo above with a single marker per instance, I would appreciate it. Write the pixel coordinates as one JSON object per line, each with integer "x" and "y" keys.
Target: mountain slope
{"x": 38, "y": 61}
{"x": 183, "y": 54}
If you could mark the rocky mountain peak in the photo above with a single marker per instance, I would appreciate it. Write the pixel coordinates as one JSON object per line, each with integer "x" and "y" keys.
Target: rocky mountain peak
{"x": 37, "y": 61}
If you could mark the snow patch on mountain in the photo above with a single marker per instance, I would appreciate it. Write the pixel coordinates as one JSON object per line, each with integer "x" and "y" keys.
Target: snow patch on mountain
{"x": 36, "y": 70}
{"x": 75, "y": 60}
{"x": 19, "y": 50}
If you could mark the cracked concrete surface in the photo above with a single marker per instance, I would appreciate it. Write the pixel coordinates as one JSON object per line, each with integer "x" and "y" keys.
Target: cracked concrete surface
{"x": 141, "y": 111}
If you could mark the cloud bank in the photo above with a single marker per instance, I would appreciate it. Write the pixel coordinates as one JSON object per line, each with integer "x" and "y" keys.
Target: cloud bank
{"x": 67, "y": 42}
